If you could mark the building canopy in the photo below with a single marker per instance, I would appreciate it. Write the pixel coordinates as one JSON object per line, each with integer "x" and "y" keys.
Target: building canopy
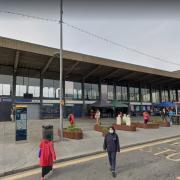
{"x": 32, "y": 60}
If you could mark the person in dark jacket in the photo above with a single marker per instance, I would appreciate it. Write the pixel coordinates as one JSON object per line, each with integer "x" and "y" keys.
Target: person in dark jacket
{"x": 112, "y": 146}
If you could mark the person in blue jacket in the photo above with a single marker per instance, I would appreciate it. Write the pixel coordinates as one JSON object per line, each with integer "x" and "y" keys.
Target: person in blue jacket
{"x": 171, "y": 114}
{"x": 112, "y": 146}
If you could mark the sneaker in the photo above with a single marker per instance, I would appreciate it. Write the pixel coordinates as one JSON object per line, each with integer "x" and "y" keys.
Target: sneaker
{"x": 50, "y": 173}
{"x": 46, "y": 176}
{"x": 114, "y": 174}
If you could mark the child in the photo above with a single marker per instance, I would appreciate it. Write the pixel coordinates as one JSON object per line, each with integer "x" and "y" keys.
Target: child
{"x": 47, "y": 155}
{"x": 146, "y": 117}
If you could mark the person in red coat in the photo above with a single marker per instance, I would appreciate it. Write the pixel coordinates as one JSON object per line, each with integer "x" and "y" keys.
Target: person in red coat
{"x": 71, "y": 119}
{"x": 47, "y": 156}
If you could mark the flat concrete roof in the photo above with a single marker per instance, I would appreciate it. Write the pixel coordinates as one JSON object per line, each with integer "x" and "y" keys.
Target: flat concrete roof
{"x": 28, "y": 59}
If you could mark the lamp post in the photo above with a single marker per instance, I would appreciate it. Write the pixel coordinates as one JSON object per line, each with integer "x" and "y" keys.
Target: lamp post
{"x": 61, "y": 70}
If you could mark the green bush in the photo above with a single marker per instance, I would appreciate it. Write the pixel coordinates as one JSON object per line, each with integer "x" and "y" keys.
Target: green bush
{"x": 73, "y": 128}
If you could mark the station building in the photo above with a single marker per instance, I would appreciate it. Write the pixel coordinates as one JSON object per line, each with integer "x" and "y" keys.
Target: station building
{"x": 29, "y": 74}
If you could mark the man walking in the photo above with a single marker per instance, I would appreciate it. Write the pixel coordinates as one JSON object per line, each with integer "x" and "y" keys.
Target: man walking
{"x": 111, "y": 144}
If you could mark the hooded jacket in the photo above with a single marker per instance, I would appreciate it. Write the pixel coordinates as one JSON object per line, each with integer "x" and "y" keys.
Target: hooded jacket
{"x": 47, "y": 153}
{"x": 111, "y": 143}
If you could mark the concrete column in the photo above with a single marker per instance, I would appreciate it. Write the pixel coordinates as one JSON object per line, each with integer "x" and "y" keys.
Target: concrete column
{"x": 151, "y": 93}
{"x": 177, "y": 99}
{"x": 99, "y": 87}
{"x": 83, "y": 99}
{"x": 14, "y": 89}
{"x": 64, "y": 90}
{"x": 128, "y": 98}
{"x": 160, "y": 94}
{"x": 115, "y": 97}
{"x": 140, "y": 97}
{"x": 41, "y": 93}
{"x": 169, "y": 98}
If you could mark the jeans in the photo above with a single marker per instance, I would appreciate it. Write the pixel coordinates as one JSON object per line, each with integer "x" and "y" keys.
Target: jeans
{"x": 170, "y": 120}
{"x": 112, "y": 160}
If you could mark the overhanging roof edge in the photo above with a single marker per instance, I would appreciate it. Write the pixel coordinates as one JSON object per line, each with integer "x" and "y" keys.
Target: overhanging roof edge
{"x": 49, "y": 51}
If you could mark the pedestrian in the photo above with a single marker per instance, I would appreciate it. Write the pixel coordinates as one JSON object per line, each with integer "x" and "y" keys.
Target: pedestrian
{"x": 71, "y": 119}
{"x": 97, "y": 116}
{"x": 47, "y": 155}
{"x": 112, "y": 146}
{"x": 146, "y": 117}
{"x": 13, "y": 112}
{"x": 170, "y": 114}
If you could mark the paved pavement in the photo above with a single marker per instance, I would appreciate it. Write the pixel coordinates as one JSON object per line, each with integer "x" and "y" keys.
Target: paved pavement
{"x": 14, "y": 156}
{"x": 148, "y": 162}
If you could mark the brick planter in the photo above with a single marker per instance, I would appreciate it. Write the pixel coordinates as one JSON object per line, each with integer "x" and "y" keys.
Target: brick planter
{"x": 100, "y": 129}
{"x": 124, "y": 127}
{"x": 146, "y": 126}
{"x": 163, "y": 124}
{"x": 73, "y": 134}
{"x": 97, "y": 128}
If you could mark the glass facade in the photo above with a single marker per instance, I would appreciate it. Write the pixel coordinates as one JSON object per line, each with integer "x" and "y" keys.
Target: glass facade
{"x": 121, "y": 93}
{"x": 73, "y": 90}
{"x": 173, "y": 95}
{"x": 48, "y": 88}
{"x": 134, "y": 94}
{"x": 5, "y": 85}
{"x": 110, "y": 92}
{"x": 145, "y": 94}
{"x": 178, "y": 94}
{"x": 30, "y": 85}
{"x": 91, "y": 91}
{"x": 155, "y": 96}
{"x": 164, "y": 95}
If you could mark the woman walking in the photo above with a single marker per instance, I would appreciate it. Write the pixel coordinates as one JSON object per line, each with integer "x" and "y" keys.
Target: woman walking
{"x": 112, "y": 146}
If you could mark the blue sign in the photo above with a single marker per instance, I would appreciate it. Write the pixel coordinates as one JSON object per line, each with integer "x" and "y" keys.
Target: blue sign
{"x": 21, "y": 123}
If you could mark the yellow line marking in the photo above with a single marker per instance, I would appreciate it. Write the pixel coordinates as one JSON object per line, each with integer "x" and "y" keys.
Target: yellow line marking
{"x": 178, "y": 177}
{"x": 169, "y": 157}
{"x": 85, "y": 159}
{"x": 167, "y": 150}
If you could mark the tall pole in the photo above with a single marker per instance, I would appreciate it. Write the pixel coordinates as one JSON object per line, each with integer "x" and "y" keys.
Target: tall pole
{"x": 61, "y": 69}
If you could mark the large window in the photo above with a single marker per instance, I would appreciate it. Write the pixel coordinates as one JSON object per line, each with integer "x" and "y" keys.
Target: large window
{"x": 34, "y": 87}
{"x": 48, "y": 88}
{"x": 164, "y": 95}
{"x": 134, "y": 93}
{"x": 110, "y": 92}
{"x": 73, "y": 90}
{"x": 77, "y": 90}
{"x": 27, "y": 85}
{"x": 121, "y": 93}
{"x": 145, "y": 94}
{"x": 173, "y": 95}
{"x": 91, "y": 91}
{"x": 5, "y": 85}
{"x": 155, "y": 96}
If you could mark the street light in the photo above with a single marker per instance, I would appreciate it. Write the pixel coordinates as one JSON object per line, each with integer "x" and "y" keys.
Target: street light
{"x": 61, "y": 70}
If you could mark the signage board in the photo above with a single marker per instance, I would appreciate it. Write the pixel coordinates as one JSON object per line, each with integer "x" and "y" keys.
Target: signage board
{"x": 21, "y": 123}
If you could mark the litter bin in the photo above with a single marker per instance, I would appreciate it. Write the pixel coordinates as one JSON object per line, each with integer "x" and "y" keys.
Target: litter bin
{"x": 47, "y": 131}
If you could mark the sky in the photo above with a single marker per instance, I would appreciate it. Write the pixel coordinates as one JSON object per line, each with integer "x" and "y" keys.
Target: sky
{"x": 152, "y": 28}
